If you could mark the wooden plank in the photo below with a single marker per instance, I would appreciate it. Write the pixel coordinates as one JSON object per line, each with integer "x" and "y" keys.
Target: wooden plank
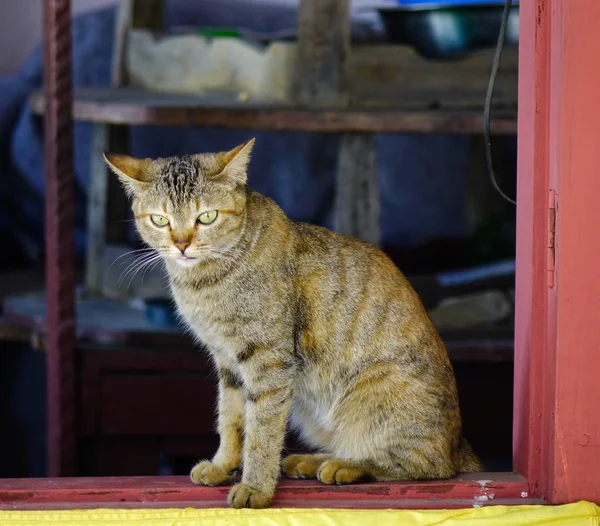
{"x": 96, "y": 212}
{"x": 323, "y": 47}
{"x": 120, "y": 492}
{"x": 357, "y": 205}
{"x": 393, "y": 75}
{"x": 107, "y": 205}
{"x": 136, "y": 108}
{"x": 532, "y": 215}
{"x": 60, "y": 239}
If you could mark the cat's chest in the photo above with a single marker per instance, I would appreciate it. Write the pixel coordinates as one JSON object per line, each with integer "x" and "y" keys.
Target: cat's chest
{"x": 213, "y": 318}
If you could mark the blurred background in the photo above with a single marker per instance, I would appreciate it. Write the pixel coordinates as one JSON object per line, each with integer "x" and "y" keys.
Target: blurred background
{"x": 145, "y": 396}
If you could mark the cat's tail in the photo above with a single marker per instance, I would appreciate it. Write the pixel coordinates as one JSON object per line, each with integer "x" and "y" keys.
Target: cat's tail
{"x": 468, "y": 461}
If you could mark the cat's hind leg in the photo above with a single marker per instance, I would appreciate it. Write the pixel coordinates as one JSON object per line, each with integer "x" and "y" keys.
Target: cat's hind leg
{"x": 303, "y": 466}
{"x": 341, "y": 471}
{"x": 338, "y": 471}
{"x": 405, "y": 466}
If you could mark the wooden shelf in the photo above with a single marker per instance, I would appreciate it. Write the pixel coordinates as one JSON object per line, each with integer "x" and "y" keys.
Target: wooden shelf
{"x": 126, "y": 106}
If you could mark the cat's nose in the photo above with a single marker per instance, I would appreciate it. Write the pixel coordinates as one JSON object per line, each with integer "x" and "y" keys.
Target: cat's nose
{"x": 181, "y": 245}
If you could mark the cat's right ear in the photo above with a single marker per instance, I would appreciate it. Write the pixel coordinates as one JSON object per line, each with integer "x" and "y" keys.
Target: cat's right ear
{"x": 132, "y": 172}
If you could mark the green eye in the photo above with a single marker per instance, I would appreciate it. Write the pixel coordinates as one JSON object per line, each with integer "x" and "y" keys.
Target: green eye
{"x": 159, "y": 220}
{"x": 208, "y": 217}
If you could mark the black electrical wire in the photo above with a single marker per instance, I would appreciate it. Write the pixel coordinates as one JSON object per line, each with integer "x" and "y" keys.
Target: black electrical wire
{"x": 488, "y": 100}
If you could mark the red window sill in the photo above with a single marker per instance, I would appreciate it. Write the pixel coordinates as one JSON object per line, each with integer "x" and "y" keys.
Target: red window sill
{"x": 467, "y": 490}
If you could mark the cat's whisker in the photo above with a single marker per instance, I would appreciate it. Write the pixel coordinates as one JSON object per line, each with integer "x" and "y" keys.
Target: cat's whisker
{"x": 133, "y": 267}
{"x": 143, "y": 265}
{"x": 131, "y": 252}
{"x": 131, "y": 264}
{"x": 149, "y": 267}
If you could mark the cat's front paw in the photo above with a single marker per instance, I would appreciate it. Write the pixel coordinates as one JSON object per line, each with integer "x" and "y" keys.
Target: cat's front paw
{"x": 243, "y": 496}
{"x": 206, "y": 473}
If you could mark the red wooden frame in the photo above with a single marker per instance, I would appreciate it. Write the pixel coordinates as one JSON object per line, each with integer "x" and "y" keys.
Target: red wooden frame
{"x": 557, "y": 332}
{"x": 168, "y": 492}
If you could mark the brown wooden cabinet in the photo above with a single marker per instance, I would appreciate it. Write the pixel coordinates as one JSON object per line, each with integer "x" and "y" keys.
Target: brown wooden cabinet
{"x": 143, "y": 411}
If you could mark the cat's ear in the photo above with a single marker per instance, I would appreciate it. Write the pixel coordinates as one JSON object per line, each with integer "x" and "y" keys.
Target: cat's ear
{"x": 234, "y": 164}
{"x": 132, "y": 172}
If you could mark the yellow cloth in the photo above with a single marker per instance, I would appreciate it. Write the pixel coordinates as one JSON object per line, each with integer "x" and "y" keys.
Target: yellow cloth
{"x": 578, "y": 514}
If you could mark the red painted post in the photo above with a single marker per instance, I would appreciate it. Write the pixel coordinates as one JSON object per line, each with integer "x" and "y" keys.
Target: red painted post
{"x": 557, "y": 429}
{"x": 60, "y": 220}
{"x": 575, "y": 166}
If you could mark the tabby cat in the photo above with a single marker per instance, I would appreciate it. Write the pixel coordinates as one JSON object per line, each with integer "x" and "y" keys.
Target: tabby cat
{"x": 304, "y": 325}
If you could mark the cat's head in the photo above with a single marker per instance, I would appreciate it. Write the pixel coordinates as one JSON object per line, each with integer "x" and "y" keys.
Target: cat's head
{"x": 188, "y": 208}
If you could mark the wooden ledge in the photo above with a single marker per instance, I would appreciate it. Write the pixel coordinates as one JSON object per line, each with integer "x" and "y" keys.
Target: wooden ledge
{"x": 467, "y": 490}
{"x": 128, "y": 106}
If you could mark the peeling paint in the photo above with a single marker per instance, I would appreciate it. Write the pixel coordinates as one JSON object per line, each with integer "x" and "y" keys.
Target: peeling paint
{"x": 158, "y": 491}
{"x": 373, "y": 490}
{"x": 9, "y": 497}
{"x": 100, "y": 492}
{"x": 436, "y": 488}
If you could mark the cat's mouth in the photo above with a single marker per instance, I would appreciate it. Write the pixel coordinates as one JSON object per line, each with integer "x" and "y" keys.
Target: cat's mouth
{"x": 186, "y": 261}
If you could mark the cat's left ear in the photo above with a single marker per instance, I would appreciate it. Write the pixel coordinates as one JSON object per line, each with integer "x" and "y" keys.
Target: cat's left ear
{"x": 235, "y": 163}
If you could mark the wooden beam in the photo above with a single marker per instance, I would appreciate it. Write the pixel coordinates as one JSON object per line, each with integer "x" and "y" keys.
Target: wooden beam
{"x": 96, "y": 212}
{"x": 60, "y": 239}
{"x": 323, "y": 48}
{"x": 466, "y": 490}
{"x": 139, "y": 108}
{"x": 532, "y": 346}
{"x": 358, "y": 205}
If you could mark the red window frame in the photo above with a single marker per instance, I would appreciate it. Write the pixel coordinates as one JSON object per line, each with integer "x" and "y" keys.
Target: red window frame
{"x": 557, "y": 331}
{"x": 557, "y": 335}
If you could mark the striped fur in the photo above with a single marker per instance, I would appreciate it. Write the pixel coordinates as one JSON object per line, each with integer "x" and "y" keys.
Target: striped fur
{"x": 305, "y": 326}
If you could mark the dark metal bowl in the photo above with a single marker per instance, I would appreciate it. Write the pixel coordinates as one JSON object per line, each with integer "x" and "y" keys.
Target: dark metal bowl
{"x": 450, "y": 32}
